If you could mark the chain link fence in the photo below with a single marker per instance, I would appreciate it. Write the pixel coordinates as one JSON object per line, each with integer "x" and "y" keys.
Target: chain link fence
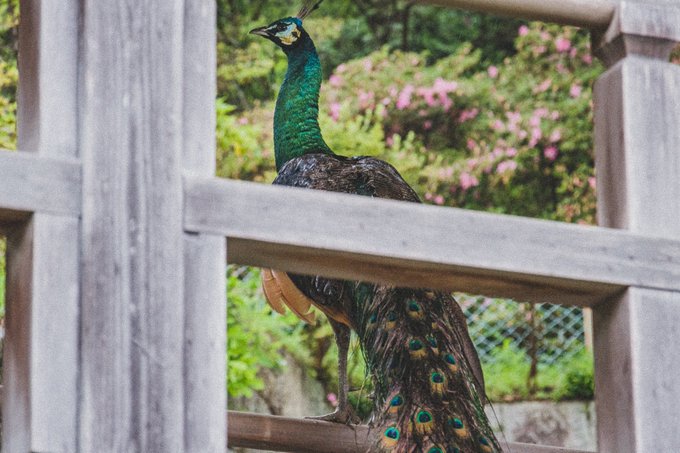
{"x": 545, "y": 332}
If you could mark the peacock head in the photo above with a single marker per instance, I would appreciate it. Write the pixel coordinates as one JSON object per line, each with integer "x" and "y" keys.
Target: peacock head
{"x": 288, "y": 33}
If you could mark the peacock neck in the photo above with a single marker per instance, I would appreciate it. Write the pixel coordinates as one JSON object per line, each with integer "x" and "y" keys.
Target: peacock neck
{"x": 296, "y": 117}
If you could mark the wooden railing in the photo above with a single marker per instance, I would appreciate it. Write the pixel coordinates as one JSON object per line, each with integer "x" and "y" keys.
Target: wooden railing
{"x": 116, "y": 235}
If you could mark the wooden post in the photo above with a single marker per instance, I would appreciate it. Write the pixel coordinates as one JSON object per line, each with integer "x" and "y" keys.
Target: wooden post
{"x": 205, "y": 257}
{"x": 637, "y": 359}
{"x": 41, "y": 346}
{"x": 146, "y": 107}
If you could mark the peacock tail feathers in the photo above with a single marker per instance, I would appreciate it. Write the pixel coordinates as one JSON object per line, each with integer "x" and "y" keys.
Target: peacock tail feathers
{"x": 426, "y": 395}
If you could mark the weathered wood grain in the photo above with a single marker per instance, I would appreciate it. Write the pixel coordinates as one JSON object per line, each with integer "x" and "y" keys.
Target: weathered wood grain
{"x": 311, "y": 436}
{"x": 30, "y": 182}
{"x": 41, "y": 343}
{"x": 401, "y": 243}
{"x": 204, "y": 255}
{"x": 637, "y": 159}
{"x": 133, "y": 316}
{"x": 594, "y": 14}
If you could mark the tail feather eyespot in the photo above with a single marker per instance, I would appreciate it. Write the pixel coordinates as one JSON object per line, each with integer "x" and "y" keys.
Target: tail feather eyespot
{"x": 414, "y": 310}
{"x": 424, "y": 422}
{"x": 484, "y": 445}
{"x": 391, "y": 321}
{"x": 458, "y": 427}
{"x": 416, "y": 348}
{"x": 390, "y": 437}
{"x": 437, "y": 383}
{"x": 395, "y": 404}
{"x": 451, "y": 362}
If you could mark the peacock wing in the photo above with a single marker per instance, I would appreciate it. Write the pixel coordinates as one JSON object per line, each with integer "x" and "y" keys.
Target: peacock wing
{"x": 280, "y": 292}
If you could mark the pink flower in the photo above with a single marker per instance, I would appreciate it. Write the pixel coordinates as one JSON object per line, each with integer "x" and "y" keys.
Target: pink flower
{"x": 428, "y": 196}
{"x": 543, "y": 87}
{"x": 446, "y": 103}
{"x": 493, "y": 72}
{"x": 511, "y": 152}
{"x": 386, "y": 101}
{"x": 555, "y": 136}
{"x": 444, "y": 86}
{"x": 366, "y": 99}
{"x": 550, "y": 153}
{"x": 243, "y": 121}
{"x": 427, "y": 125}
{"x": 535, "y": 121}
{"x": 587, "y": 59}
{"x": 471, "y": 144}
{"x": 466, "y": 115}
{"x": 536, "y": 135}
{"x": 506, "y": 165}
{"x": 335, "y": 111}
{"x": 498, "y": 125}
{"x": 467, "y": 181}
{"x": 439, "y": 200}
{"x": 428, "y": 96}
{"x": 368, "y": 65}
{"x": 554, "y": 115}
{"x": 523, "y": 30}
{"x": 497, "y": 152}
{"x": 541, "y": 112}
{"x": 404, "y": 99}
{"x": 333, "y": 399}
{"x": 562, "y": 44}
{"x": 591, "y": 182}
{"x": 575, "y": 90}
{"x": 573, "y": 52}
{"x": 335, "y": 80}
{"x": 341, "y": 68}
{"x": 389, "y": 140}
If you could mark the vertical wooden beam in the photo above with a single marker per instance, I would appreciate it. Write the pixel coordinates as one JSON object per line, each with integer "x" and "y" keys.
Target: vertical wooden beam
{"x": 133, "y": 314}
{"x": 637, "y": 140}
{"x": 204, "y": 255}
{"x": 39, "y": 410}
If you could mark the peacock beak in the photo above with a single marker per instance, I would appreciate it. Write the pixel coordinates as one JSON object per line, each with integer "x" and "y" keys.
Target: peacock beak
{"x": 261, "y": 31}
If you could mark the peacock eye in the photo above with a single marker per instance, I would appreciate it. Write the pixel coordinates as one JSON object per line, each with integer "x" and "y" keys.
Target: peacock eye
{"x": 281, "y": 27}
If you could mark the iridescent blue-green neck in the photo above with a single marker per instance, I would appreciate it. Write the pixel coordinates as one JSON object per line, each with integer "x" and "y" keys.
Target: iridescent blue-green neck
{"x": 296, "y": 118}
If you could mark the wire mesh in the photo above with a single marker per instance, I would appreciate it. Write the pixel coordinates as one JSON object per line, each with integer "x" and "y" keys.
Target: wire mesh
{"x": 545, "y": 331}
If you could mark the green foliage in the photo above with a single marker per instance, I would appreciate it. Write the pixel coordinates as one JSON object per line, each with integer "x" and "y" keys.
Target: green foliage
{"x": 257, "y": 338}
{"x": 506, "y": 377}
{"x": 578, "y": 382}
{"x": 9, "y": 20}
{"x": 3, "y": 272}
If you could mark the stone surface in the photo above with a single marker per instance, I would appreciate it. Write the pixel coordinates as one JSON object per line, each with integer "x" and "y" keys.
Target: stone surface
{"x": 564, "y": 424}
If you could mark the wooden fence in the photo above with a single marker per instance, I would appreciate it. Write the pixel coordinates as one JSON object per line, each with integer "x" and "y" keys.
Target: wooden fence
{"x": 116, "y": 234}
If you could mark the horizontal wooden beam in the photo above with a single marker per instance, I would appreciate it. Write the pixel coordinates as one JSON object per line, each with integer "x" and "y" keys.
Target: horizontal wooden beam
{"x": 267, "y": 432}
{"x": 594, "y": 14}
{"x": 406, "y": 244}
{"x": 30, "y": 182}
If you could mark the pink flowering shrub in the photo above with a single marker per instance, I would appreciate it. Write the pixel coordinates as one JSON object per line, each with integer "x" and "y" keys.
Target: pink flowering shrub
{"x": 515, "y": 137}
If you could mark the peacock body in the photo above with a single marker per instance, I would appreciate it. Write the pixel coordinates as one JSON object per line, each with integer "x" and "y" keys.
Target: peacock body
{"x": 428, "y": 384}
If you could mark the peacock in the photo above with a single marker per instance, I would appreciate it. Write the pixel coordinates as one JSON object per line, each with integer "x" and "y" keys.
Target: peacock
{"x": 428, "y": 384}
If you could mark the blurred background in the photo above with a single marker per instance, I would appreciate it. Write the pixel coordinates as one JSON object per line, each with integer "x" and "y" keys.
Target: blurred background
{"x": 476, "y": 112}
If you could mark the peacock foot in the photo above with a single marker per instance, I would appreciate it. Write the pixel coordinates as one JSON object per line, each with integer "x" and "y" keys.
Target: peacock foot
{"x": 345, "y": 416}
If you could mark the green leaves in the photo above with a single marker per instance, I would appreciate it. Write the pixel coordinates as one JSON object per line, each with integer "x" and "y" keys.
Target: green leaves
{"x": 257, "y": 337}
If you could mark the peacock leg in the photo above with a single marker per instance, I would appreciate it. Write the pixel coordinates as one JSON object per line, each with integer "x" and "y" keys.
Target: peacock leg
{"x": 343, "y": 412}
